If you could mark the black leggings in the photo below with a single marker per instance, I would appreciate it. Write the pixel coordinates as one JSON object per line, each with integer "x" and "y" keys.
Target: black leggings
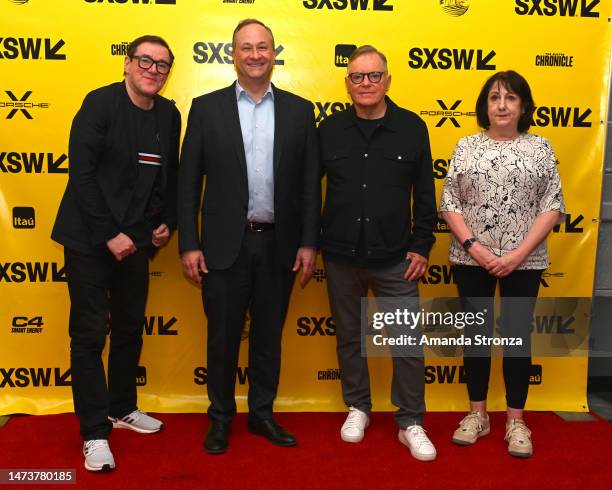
{"x": 477, "y": 288}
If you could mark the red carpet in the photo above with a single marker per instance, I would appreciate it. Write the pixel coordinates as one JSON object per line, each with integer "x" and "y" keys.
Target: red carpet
{"x": 567, "y": 455}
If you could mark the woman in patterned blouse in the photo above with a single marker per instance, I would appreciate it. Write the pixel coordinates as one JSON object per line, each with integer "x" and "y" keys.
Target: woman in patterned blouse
{"x": 501, "y": 198}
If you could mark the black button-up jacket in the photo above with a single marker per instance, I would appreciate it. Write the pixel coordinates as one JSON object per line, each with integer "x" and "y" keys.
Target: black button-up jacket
{"x": 384, "y": 184}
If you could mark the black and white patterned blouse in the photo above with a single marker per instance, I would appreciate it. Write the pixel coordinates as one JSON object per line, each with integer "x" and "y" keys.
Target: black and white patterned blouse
{"x": 500, "y": 187}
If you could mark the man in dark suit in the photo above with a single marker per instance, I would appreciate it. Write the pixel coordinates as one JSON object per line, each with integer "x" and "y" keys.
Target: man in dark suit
{"x": 118, "y": 207}
{"x": 256, "y": 145}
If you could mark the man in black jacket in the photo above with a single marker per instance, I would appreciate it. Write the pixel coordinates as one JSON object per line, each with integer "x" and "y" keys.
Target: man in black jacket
{"x": 377, "y": 160}
{"x": 256, "y": 145}
{"x": 118, "y": 207}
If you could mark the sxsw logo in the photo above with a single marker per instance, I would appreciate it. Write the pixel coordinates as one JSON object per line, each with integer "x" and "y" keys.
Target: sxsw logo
{"x": 447, "y": 112}
{"x": 158, "y": 325}
{"x": 23, "y": 217}
{"x": 222, "y": 53}
{"x": 200, "y": 375}
{"x": 439, "y": 274}
{"x": 456, "y": 374}
{"x": 440, "y": 168}
{"x": 342, "y": 53}
{"x": 380, "y": 5}
{"x": 25, "y": 324}
{"x": 570, "y": 225}
{"x": 141, "y": 376}
{"x": 32, "y": 272}
{"x": 549, "y": 324}
{"x": 135, "y": 2}
{"x": 311, "y": 326}
{"x": 564, "y": 117}
{"x": 562, "y": 8}
{"x": 325, "y": 109}
{"x": 20, "y": 105}
{"x": 30, "y": 48}
{"x": 14, "y": 162}
{"x": 451, "y": 58}
{"x": 22, "y": 377}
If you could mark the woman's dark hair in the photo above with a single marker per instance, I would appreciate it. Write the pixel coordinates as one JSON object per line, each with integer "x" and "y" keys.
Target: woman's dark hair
{"x": 513, "y": 82}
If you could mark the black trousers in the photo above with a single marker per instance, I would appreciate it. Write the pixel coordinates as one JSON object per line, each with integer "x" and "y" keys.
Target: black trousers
{"x": 518, "y": 292}
{"x": 259, "y": 284}
{"x": 105, "y": 295}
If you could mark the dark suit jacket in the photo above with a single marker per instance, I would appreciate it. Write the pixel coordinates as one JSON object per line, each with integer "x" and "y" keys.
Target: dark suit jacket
{"x": 103, "y": 168}
{"x": 213, "y": 148}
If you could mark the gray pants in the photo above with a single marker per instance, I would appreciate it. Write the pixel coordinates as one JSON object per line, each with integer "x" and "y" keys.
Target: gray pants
{"x": 346, "y": 285}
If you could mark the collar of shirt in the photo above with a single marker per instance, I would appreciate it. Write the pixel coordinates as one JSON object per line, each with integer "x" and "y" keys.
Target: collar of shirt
{"x": 240, "y": 91}
{"x": 388, "y": 122}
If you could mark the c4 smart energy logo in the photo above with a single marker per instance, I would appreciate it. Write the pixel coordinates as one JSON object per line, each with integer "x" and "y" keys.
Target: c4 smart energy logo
{"x": 455, "y": 8}
{"x": 376, "y": 5}
{"x": 561, "y": 8}
{"x": 27, "y": 324}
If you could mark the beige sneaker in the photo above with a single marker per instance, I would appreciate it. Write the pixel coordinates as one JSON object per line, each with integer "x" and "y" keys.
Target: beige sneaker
{"x": 519, "y": 439}
{"x": 473, "y": 426}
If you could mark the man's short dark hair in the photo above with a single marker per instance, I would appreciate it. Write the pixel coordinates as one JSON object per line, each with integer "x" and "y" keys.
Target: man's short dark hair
{"x": 367, "y": 49}
{"x": 513, "y": 82}
{"x": 131, "y": 51}
{"x": 246, "y": 22}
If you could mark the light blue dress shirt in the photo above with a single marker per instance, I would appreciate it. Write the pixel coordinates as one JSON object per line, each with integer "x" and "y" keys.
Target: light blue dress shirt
{"x": 257, "y": 125}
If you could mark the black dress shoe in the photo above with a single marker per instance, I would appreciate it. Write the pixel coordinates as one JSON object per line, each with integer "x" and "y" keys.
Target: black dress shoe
{"x": 273, "y": 432}
{"x": 216, "y": 438}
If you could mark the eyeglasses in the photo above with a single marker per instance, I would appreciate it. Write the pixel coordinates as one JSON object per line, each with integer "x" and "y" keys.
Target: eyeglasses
{"x": 144, "y": 62}
{"x": 373, "y": 76}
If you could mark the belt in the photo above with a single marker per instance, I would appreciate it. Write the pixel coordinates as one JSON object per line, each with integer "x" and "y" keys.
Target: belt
{"x": 259, "y": 227}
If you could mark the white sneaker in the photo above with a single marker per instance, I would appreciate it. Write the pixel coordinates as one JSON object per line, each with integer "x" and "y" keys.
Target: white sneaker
{"x": 415, "y": 438}
{"x": 354, "y": 426}
{"x": 98, "y": 456}
{"x": 137, "y": 421}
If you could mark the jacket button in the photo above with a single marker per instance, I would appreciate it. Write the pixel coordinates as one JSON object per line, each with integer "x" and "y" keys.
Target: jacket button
{"x": 358, "y": 219}
{"x": 365, "y": 155}
{"x": 367, "y": 220}
{"x": 399, "y": 157}
{"x": 364, "y": 185}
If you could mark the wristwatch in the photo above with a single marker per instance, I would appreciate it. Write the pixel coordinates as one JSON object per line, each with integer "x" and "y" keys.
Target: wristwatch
{"x": 468, "y": 243}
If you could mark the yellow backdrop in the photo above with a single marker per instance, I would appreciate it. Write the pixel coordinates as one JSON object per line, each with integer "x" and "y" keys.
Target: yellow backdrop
{"x": 440, "y": 53}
